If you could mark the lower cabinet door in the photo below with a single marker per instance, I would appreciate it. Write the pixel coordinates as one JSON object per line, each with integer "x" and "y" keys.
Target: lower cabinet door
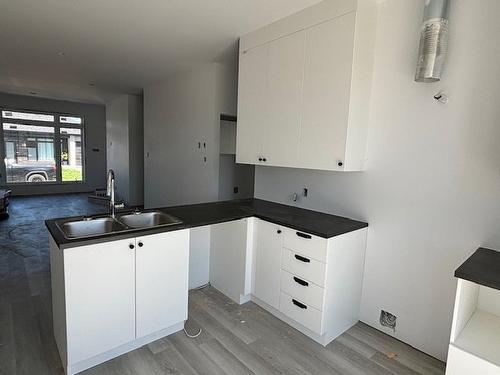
{"x": 162, "y": 263}
{"x": 268, "y": 263}
{"x": 100, "y": 299}
{"x": 228, "y": 258}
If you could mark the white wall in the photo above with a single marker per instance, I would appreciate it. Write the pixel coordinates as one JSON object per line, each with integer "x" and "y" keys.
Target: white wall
{"x": 432, "y": 189}
{"x": 124, "y": 133}
{"x": 179, "y": 113}
{"x": 117, "y": 150}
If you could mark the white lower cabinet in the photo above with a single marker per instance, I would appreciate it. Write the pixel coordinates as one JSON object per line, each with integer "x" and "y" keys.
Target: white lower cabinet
{"x": 230, "y": 258}
{"x": 161, "y": 281}
{"x": 100, "y": 298}
{"x": 267, "y": 274}
{"x": 312, "y": 283}
{"x": 303, "y": 289}
{"x": 304, "y": 266}
{"x": 302, "y": 313}
{"x": 113, "y": 297}
{"x": 475, "y": 332}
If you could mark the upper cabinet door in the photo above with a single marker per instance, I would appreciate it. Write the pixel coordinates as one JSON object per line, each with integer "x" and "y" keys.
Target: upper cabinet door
{"x": 286, "y": 70}
{"x": 326, "y": 93}
{"x": 252, "y": 104}
{"x": 100, "y": 297}
{"x": 162, "y": 262}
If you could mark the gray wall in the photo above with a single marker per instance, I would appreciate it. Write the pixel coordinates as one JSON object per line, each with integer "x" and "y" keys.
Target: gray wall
{"x": 95, "y": 137}
{"x": 117, "y": 144}
{"x": 432, "y": 189}
{"x": 233, "y": 175}
{"x": 124, "y": 130}
{"x": 179, "y": 113}
{"x": 136, "y": 152}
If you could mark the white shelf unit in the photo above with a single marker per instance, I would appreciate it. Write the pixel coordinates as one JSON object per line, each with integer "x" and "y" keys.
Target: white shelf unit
{"x": 475, "y": 335}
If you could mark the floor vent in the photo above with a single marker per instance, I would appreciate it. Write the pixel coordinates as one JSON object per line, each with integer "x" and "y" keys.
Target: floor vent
{"x": 388, "y": 320}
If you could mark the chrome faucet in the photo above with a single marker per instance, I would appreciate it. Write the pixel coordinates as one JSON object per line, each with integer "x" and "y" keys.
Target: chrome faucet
{"x": 110, "y": 192}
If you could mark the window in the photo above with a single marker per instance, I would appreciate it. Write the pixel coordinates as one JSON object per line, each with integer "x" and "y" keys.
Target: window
{"x": 71, "y": 154}
{"x": 38, "y": 149}
{"x": 27, "y": 116}
{"x": 70, "y": 120}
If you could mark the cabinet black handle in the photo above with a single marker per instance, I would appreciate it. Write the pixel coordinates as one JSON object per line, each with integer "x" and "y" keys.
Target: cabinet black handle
{"x": 264, "y": 159}
{"x": 140, "y": 244}
{"x": 340, "y": 164}
{"x": 302, "y": 259}
{"x": 303, "y": 235}
{"x": 278, "y": 231}
{"x": 131, "y": 247}
{"x": 297, "y": 303}
{"x": 260, "y": 159}
{"x": 300, "y": 281}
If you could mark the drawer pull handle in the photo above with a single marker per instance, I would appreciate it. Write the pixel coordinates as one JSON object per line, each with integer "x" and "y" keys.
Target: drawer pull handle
{"x": 297, "y": 303}
{"x": 300, "y": 281}
{"x": 303, "y": 235}
{"x": 302, "y": 259}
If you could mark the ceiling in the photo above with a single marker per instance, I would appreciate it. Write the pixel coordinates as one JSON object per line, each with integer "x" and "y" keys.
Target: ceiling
{"x": 93, "y": 50}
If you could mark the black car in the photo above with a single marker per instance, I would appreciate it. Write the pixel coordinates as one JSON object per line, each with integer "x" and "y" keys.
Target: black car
{"x": 31, "y": 171}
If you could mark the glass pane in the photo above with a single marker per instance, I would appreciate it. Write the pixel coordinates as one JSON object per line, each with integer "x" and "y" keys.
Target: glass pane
{"x": 70, "y": 120}
{"x": 71, "y": 154}
{"x": 27, "y": 116}
{"x": 29, "y": 153}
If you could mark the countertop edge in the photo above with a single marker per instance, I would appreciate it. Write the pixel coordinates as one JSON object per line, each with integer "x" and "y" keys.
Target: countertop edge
{"x": 482, "y": 262}
{"x": 248, "y": 208}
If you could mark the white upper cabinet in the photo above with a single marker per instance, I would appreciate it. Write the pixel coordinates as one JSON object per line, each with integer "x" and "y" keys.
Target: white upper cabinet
{"x": 252, "y": 85}
{"x": 304, "y": 88}
{"x": 284, "y": 98}
{"x": 327, "y": 81}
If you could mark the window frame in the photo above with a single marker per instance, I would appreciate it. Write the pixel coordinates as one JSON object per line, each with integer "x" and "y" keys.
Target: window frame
{"x": 57, "y": 125}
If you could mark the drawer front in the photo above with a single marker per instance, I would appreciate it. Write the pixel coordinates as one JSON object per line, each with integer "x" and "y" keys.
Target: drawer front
{"x": 299, "y": 311}
{"x": 302, "y": 266}
{"x": 313, "y": 246}
{"x": 303, "y": 290}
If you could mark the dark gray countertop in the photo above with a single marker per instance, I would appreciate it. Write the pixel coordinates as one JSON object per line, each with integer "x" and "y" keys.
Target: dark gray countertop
{"x": 195, "y": 215}
{"x": 482, "y": 267}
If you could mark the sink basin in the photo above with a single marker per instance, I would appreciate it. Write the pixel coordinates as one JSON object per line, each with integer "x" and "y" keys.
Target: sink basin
{"x": 90, "y": 227}
{"x": 148, "y": 219}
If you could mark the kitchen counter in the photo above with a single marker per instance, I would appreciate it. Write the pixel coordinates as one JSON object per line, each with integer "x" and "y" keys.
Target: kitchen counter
{"x": 195, "y": 215}
{"x": 482, "y": 267}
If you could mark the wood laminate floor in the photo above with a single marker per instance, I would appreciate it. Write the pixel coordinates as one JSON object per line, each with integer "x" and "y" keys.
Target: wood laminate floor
{"x": 234, "y": 340}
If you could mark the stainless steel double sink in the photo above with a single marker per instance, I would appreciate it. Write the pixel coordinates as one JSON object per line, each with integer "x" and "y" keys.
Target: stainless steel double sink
{"x": 99, "y": 226}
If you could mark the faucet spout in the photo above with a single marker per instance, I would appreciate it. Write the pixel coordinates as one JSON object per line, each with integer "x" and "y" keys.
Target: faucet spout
{"x": 111, "y": 178}
{"x": 110, "y": 192}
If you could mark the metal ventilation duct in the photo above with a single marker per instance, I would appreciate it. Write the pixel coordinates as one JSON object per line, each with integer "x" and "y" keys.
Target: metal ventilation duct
{"x": 433, "y": 41}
